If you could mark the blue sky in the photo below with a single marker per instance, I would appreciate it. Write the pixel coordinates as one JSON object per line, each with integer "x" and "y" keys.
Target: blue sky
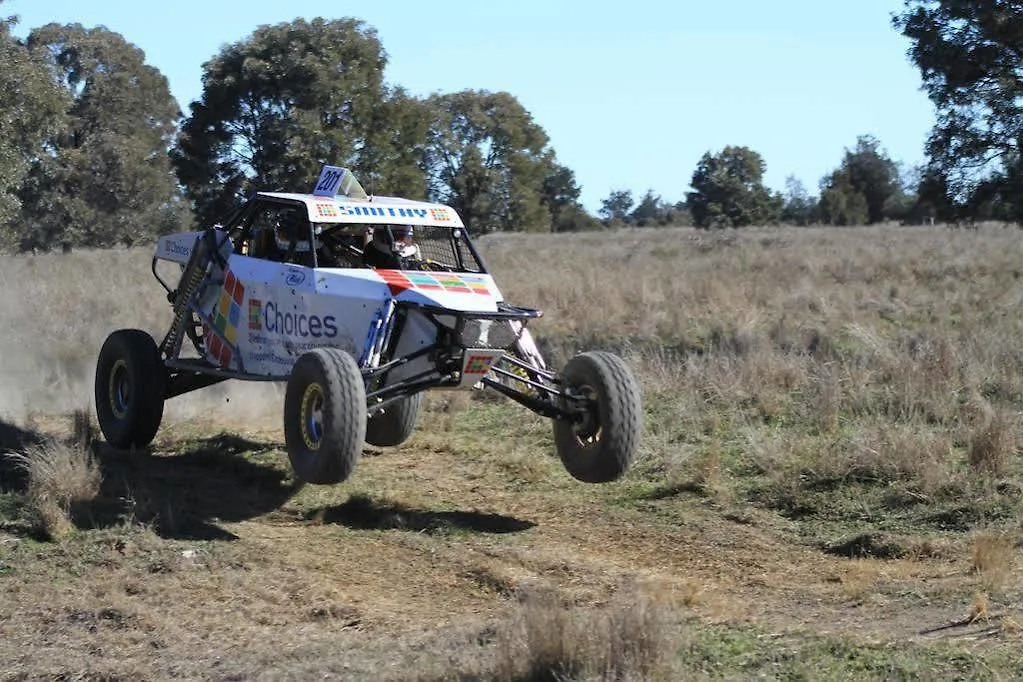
{"x": 631, "y": 93}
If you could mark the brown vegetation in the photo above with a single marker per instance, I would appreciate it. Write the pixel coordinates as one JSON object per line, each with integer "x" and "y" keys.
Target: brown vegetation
{"x": 830, "y": 461}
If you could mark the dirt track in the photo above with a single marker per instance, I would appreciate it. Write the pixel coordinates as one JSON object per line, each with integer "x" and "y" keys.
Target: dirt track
{"x": 423, "y": 550}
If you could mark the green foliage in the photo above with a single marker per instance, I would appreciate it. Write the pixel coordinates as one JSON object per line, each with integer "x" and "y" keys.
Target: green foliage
{"x": 561, "y": 197}
{"x": 799, "y": 207}
{"x": 615, "y": 209}
{"x": 843, "y": 206}
{"x": 968, "y": 53}
{"x": 119, "y": 121}
{"x": 490, "y": 161}
{"x": 654, "y": 211}
{"x": 31, "y": 109}
{"x": 932, "y": 198}
{"x": 729, "y": 190}
{"x": 864, "y": 188}
{"x": 290, "y": 98}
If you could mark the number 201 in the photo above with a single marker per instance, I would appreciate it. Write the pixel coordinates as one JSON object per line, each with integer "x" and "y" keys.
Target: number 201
{"x": 329, "y": 182}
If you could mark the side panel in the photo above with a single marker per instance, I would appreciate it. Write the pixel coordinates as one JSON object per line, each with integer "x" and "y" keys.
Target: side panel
{"x": 266, "y": 315}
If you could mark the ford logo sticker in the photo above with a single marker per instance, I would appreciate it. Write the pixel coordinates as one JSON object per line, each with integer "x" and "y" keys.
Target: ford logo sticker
{"x": 294, "y": 278}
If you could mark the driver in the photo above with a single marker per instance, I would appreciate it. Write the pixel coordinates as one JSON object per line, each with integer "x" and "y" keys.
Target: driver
{"x": 390, "y": 247}
{"x": 291, "y": 233}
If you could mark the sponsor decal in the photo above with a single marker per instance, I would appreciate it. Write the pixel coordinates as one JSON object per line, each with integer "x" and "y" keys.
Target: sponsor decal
{"x": 271, "y": 358}
{"x": 478, "y": 364}
{"x": 294, "y": 278}
{"x": 399, "y": 281}
{"x": 255, "y": 313}
{"x": 326, "y": 210}
{"x": 302, "y": 325}
{"x": 382, "y": 211}
{"x": 177, "y": 249}
{"x": 289, "y": 346}
{"x": 440, "y": 214}
{"x": 225, "y": 318}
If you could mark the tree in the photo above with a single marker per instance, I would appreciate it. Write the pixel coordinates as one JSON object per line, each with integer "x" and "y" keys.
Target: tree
{"x": 843, "y": 206}
{"x": 104, "y": 177}
{"x": 970, "y": 55}
{"x": 488, "y": 159}
{"x": 729, "y": 190}
{"x": 648, "y": 211}
{"x": 31, "y": 109}
{"x": 561, "y": 198}
{"x": 799, "y": 207}
{"x": 868, "y": 180}
{"x": 290, "y": 98}
{"x": 615, "y": 209}
{"x": 654, "y": 211}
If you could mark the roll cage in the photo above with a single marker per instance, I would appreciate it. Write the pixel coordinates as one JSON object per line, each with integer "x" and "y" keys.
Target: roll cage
{"x": 340, "y": 245}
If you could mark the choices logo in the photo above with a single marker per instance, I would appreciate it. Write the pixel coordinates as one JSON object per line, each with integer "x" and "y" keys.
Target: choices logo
{"x": 295, "y": 324}
{"x": 255, "y": 314}
{"x": 176, "y": 249}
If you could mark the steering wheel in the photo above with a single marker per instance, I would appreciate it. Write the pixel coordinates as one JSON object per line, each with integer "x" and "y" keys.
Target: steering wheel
{"x": 435, "y": 266}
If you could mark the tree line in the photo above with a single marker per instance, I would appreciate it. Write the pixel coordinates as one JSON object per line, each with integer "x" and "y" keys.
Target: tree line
{"x": 867, "y": 187}
{"x": 94, "y": 150}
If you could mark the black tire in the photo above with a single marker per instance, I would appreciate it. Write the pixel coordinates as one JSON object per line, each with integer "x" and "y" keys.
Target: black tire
{"x": 395, "y": 423}
{"x": 600, "y": 444}
{"x": 324, "y": 416}
{"x": 130, "y": 388}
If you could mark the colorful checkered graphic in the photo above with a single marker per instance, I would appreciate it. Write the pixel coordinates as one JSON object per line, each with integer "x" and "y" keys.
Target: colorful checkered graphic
{"x": 326, "y": 210}
{"x": 399, "y": 281}
{"x": 478, "y": 364}
{"x": 440, "y": 214}
{"x": 226, "y": 316}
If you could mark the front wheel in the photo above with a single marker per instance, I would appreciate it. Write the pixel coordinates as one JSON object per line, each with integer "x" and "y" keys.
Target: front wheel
{"x": 130, "y": 388}
{"x": 324, "y": 416}
{"x": 599, "y": 442}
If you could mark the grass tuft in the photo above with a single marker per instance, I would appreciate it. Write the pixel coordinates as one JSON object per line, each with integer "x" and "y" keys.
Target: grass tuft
{"x": 992, "y": 558}
{"x": 992, "y": 444}
{"x": 59, "y": 476}
{"x": 630, "y": 639}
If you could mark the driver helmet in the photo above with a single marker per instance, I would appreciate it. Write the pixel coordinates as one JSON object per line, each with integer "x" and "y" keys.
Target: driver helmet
{"x": 291, "y": 226}
{"x": 396, "y": 239}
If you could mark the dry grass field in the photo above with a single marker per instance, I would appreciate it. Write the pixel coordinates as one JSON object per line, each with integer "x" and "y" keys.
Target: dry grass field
{"x": 830, "y": 485}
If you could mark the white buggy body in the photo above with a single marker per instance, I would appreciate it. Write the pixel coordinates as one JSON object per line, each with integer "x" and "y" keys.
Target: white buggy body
{"x": 327, "y": 293}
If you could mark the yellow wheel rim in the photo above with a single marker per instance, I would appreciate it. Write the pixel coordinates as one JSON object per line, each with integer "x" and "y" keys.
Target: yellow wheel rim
{"x": 312, "y": 416}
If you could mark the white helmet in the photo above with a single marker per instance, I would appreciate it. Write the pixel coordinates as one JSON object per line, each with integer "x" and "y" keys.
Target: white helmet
{"x": 292, "y": 227}
{"x": 396, "y": 239}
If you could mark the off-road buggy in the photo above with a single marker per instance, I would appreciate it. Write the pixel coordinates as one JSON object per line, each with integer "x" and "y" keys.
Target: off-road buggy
{"x": 281, "y": 292}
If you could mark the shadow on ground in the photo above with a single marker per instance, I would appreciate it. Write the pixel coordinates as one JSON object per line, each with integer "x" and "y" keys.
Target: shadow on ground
{"x": 14, "y": 439}
{"x": 364, "y": 513}
{"x": 184, "y": 495}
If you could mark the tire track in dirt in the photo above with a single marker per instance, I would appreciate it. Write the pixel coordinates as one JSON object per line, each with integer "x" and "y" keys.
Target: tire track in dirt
{"x": 718, "y": 569}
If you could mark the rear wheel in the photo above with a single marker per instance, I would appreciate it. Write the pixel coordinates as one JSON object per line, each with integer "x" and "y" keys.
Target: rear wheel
{"x": 130, "y": 388}
{"x": 324, "y": 416}
{"x": 600, "y": 441}
{"x": 395, "y": 423}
